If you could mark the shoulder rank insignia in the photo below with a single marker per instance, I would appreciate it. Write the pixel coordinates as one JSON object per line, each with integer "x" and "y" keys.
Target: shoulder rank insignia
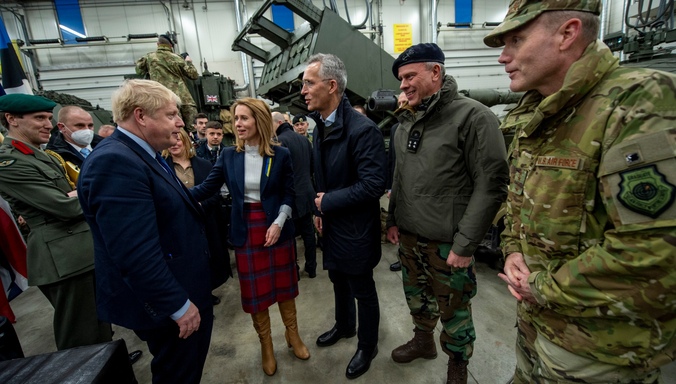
{"x": 646, "y": 191}
{"x": 6, "y": 163}
{"x": 21, "y": 147}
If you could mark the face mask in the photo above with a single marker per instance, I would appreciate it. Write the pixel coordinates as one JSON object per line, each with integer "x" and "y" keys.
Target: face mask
{"x": 82, "y": 137}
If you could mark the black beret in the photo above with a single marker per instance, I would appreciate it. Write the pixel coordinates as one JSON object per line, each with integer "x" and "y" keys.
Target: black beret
{"x": 419, "y": 53}
{"x": 22, "y": 103}
{"x": 299, "y": 119}
{"x": 168, "y": 39}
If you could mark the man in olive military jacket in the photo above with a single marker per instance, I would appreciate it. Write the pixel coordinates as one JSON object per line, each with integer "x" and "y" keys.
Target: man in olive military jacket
{"x": 60, "y": 247}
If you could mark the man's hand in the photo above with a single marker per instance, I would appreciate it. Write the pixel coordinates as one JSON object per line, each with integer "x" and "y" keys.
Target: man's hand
{"x": 516, "y": 276}
{"x": 457, "y": 261}
{"x": 393, "y": 234}
{"x": 272, "y": 235}
{"x": 72, "y": 193}
{"x": 318, "y": 224}
{"x": 189, "y": 322}
{"x": 318, "y": 201}
{"x": 188, "y": 59}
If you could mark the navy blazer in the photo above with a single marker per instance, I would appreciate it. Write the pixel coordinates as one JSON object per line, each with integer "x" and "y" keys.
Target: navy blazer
{"x": 276, "y": 189}
{"x": 151, "y": 248}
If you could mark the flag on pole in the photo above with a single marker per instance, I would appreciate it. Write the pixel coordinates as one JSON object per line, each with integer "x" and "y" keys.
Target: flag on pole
{"x": 13, "y": 269}
{"x": 13, "y": 77}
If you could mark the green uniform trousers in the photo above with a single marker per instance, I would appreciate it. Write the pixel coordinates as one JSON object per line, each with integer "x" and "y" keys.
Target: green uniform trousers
{"x": 75, "y": 321}
{"x": 434, "y": 290}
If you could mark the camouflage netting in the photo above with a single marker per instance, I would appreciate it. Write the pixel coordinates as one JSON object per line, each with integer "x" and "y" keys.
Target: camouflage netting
{"x": 65, "y": 99}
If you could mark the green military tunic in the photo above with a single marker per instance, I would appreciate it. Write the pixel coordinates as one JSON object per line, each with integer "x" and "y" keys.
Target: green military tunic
{"x": 591, "y": 208}
{"x": 34, "y": 184}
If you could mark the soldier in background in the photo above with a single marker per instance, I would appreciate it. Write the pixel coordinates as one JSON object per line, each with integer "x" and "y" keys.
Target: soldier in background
{"x": 172, "y": 71}
{"x": 300, "y": 124}
{"x": 591, "y": 217}
{"x": 449, "y": 181}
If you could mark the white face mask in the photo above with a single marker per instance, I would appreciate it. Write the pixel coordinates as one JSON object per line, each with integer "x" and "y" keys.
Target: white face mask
{"x": 82, "y": 137}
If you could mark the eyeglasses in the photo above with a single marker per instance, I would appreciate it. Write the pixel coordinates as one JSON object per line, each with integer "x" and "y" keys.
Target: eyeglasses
{"x": 309, "y": 84}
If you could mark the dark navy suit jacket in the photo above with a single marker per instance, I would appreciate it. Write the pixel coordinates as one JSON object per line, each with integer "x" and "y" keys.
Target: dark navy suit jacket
{"x": 151, "y": 248}
{"x": 276, "y": 189}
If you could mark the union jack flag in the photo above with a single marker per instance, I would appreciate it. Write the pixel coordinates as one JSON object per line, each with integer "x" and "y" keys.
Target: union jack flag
{"x": 212, "y": 99}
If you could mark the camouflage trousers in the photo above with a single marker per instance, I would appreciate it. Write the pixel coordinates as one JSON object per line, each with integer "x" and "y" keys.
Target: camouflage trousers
{"x": 434, "y": 290}
{"x": 188, "y": 113}
{"x": 540, "y": 361}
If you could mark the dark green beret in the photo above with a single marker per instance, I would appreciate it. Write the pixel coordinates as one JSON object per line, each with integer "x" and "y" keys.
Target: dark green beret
{"x": 419, "y": 53}
{"x": 22, "y": 103}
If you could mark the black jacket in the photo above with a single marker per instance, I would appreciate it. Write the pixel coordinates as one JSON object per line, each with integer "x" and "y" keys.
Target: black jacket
{"x": 301, "y": 158}
{"x": 350, "y": 168}
{"x": 203, "y": 152}
{"x": 59, "y": 145}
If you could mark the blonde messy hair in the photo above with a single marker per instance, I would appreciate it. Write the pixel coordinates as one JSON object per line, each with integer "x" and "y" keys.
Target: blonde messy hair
{"x": 148, "y": 95}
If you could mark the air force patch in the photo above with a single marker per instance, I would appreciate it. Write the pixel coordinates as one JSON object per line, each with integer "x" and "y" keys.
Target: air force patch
{"x": 646, "y": 191}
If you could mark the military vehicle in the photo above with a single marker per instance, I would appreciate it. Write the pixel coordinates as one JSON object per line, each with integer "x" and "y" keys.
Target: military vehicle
{"x": 323, "y": 31}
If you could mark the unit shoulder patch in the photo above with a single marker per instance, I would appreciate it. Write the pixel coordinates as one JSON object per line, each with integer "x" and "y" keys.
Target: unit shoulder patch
{"x": 6, "y": 163}
{"x": 646, "y": 191}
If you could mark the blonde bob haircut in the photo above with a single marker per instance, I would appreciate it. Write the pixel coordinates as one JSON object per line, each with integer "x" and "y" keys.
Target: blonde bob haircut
{"x": 148, "y": 95}
{"x": 188, "y": 149}
{"x": 262, "y": 116}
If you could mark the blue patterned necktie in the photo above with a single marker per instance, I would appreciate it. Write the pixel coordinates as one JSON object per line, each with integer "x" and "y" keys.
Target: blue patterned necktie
{"x": 85, "y": 152}
{"x": 164, "y": 165}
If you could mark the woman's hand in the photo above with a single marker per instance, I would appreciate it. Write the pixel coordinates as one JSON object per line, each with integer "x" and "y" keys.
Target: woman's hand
{"x": 272, "y": 235}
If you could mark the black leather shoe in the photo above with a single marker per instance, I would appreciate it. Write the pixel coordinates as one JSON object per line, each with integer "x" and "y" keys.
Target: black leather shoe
{"x": 331, "y": 337}
{"x": 360, "y": 363}
{"x": 311, "y": 274}
{"x": 215, "y": 300}
{"x": 134, "y": 356}
{"x": 395, "y": 267}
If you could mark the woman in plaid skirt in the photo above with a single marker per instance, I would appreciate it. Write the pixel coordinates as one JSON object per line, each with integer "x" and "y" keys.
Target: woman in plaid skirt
{"x": 259, "y": 176}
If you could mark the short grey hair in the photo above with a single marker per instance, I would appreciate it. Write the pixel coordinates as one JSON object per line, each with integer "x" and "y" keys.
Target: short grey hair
{"x": 332, "y": 68}
{"x": 590, "y": 22}
{"x": 430, "y": 66}
{"x": 278, "y": 117}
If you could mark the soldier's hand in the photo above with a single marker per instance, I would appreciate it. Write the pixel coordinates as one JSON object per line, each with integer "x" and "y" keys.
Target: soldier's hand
{"x": 457, "y": 261}
{"x": 393, "y": 235}
{"x": 189, "y": 322}
{"x": 516, "y": 276}
{"x": 188, "y": 59}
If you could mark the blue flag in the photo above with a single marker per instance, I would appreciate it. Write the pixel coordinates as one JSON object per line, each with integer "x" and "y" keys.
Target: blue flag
{"x": 13, "y": 77}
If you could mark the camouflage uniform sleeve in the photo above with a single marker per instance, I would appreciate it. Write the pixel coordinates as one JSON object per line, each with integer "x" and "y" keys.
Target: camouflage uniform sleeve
{"x": 189, "y": 70}
{"x": 142, "y": 67}
{"x": 24, "y": 184}
{"x": 632, "y": 271}
{"x": 486, "y": 162}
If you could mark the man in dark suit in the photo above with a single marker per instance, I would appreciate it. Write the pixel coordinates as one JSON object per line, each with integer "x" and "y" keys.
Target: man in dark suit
{"x": 212, "y": 147}
{"x": 350, "y": 168}
{"x": 301, "y": 157}
{"x": 74, "y": 137}
{"x": 151, "y": 248}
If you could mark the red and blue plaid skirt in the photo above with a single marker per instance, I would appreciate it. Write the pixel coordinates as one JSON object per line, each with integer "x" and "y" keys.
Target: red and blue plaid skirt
{"x": 267, "y": 275}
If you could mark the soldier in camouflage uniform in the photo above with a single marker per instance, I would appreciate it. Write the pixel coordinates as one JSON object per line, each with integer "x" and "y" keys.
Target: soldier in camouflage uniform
{"x": 449, "y": 181}
{"x": 591, "y": 227}
{"x": 171, "y": 70}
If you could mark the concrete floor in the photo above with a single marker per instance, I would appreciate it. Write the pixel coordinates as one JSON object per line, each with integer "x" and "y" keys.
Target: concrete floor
{"x": 234, "y": 355}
